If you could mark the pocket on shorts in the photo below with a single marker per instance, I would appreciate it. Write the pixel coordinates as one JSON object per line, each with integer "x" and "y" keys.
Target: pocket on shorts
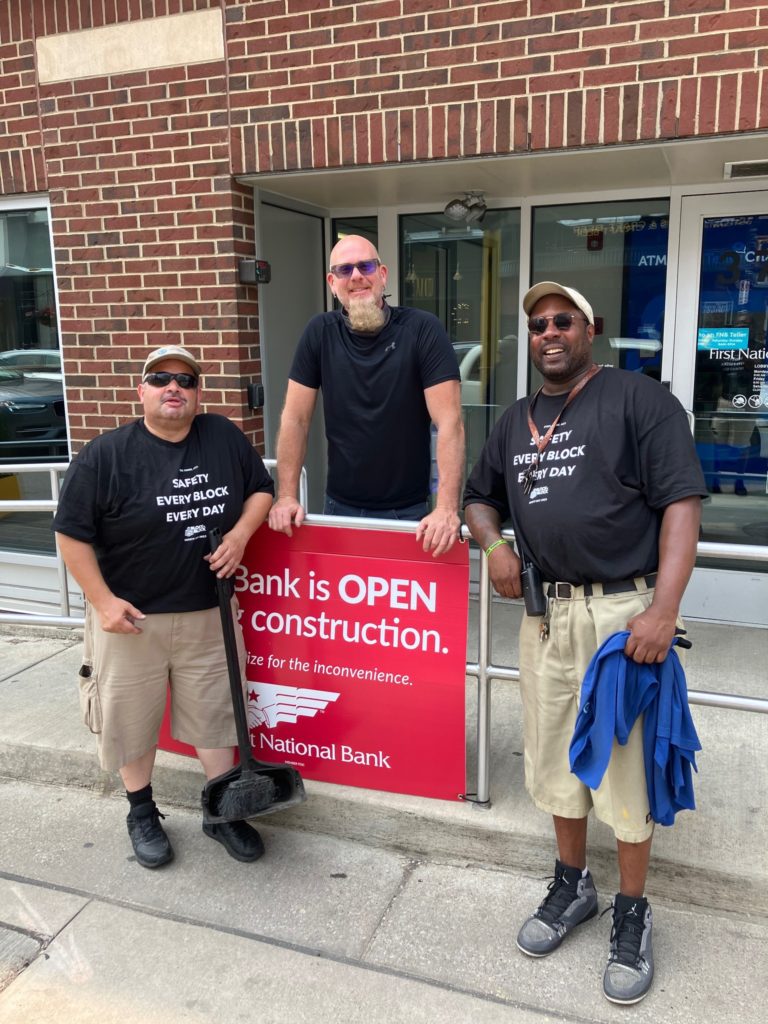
{"x": 90, "y": 702}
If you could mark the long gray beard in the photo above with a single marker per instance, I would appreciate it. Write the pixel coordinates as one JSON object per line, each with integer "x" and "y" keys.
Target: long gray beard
{"x": 366, "y": 317}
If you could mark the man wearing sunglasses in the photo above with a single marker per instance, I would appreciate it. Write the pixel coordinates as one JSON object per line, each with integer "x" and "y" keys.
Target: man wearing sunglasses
{"x": 132, "y": 526}
{"x": 599, "y": 476}
{"x": 386, "y": 373}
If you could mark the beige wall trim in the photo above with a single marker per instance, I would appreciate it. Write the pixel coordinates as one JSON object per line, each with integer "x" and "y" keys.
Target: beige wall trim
{"x": 191, "y": 38}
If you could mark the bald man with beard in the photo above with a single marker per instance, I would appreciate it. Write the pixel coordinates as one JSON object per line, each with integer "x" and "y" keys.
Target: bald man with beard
{"x": 387, "y": 373}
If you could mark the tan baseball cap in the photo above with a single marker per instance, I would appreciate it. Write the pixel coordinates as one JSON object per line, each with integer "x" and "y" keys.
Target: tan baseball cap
{"x": 171, "y": 352}
{"x": 543, "y": 288}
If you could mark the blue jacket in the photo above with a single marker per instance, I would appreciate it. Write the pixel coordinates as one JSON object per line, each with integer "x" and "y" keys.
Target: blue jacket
{"x": 614, "y": 692}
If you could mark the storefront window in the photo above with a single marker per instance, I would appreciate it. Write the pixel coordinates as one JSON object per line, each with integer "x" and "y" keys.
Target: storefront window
{"x": 730, "y": 403}
{"x": 468, "y": 276}
{"x": 615, "y": 254}
{"x": 32, "y": 422}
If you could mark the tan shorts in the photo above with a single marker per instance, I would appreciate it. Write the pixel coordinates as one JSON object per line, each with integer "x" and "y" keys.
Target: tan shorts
{"x": 551, "y": 673}
{"x": 131, "y": 674}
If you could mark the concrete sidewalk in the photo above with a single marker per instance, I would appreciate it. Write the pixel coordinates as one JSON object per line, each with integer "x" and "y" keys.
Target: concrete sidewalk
{"x": 321, "y": 930}
{"x": 368, "y": 906}
{"x": 714, "y": 857}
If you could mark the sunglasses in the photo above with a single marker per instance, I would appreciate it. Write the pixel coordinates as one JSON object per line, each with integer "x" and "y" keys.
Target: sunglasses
{"x": 366, "y": 267}
{"x": 163, "y": 379}
{"x": 562, "y": 321}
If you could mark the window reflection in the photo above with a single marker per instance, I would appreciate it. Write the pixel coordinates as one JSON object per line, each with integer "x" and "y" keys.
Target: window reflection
{"x": 32, "y": 423}
{"x": 615, "y": 254}
{"x": 467, "y": 275}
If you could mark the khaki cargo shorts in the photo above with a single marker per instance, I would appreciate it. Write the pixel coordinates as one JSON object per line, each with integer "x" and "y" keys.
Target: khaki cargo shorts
{"x": 125, "y": 678}
{"x": 551, "y": 673}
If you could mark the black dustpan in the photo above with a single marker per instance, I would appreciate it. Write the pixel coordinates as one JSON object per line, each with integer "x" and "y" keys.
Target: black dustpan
{"x": 252, "y": 787}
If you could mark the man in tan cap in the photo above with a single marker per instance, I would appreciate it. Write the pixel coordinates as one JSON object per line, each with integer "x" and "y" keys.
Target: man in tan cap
{"x": 599, "y": 475}
{"x": 132, "y": 526}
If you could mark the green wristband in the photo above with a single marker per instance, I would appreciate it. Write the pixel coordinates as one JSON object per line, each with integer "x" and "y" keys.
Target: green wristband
{"x": 492, "y": 547}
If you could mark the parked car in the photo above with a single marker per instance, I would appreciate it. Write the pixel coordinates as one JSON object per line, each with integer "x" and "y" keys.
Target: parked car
{"x": 32, "y": 423}
{"x": 33, "y": 360}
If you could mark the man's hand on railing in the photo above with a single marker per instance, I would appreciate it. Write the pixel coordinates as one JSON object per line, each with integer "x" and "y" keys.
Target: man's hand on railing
{"x": 285, "y": 514}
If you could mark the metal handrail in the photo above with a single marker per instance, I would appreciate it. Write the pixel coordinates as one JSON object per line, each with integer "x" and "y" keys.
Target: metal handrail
{"x": 483, "y": 669}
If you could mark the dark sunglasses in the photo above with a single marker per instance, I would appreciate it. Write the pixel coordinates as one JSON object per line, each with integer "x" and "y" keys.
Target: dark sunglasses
{"x": 365, "y": 267}
{"x": 562, "y": 321}
{"x": 163, "y": 379}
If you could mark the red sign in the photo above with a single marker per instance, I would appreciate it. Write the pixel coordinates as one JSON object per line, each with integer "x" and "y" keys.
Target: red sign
{"x": 356, "y": 657}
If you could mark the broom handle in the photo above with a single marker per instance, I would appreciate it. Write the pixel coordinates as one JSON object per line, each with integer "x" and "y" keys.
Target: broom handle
{"x": 224, "y": 592}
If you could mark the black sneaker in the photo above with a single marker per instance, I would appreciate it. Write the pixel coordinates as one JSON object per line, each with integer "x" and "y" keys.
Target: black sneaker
{"x": 238, "y": 838}
{"x": 629, "y": 971}
{"x": 571, "y": 900}
{"x": 150, "y": 843}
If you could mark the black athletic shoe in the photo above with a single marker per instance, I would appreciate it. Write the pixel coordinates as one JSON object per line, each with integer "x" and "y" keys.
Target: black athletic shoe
{"x": 150, "y": 843}
{"x": 629, "y": 971}
{"x": 570, "y": 901}
{"x": 238, "y": 838}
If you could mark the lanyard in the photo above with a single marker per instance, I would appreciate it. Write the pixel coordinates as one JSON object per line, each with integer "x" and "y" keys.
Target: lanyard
{"x": 541, "y": 442}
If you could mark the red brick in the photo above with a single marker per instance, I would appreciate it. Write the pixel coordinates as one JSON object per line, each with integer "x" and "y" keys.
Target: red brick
{"x": 552, "y": 83}
{"x": 470, "y": 142}
{"x": 696, "y": 44}
{"x": 502, "y": 11}
{"x": 641, "y": 12}
{"x": 438, "y": 135}
{"x": 611, "y": 116}
{"x": 475, "y": 34}
{"x": 553, "y": 43}
{"x": 521, "y": 140}
{"x": 727, "y": 103}
{"x": 725, "y": 21}
{"x": 500, "y": 50}
{"x": 475, "y": 73}
{"x": 694, "y": 6}
{"x": 538, "y": 122}
{"x": 611, "y": 36}
{"x": 502, "y": 87}
{"x": 556, "y": 121}
{"x": 750, "y": 87}
{"x": 487, "y": 123}
{"x": 649, "y": 106}
{"x": 749, "y": 38}
{"x": 450, "y": 19}
{"x": 720, "y": 62}
{"x": 680, "y": 68}
{"x": 551, "y": 6}
{"x": 421, "y": 131}
{"x": 580, "y": 19}
{"x": 575, "y": 119}
{"x": 668, "y": 126}
{"x": 453, "y": 131}
{"x": 579, "y": 59}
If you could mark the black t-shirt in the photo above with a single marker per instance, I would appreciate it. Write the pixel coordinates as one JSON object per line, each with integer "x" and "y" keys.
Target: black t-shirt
{"x": 376, "y": 418}
{"x": 146, "y": 506}
{"x": 620, "y": 454}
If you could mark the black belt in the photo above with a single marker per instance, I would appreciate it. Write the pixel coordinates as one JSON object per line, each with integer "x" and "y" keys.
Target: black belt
{"x": 566, "y": 591}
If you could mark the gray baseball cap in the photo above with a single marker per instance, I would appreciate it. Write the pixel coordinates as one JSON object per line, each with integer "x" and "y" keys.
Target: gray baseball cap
{"x": 171, "y": 352}
{"x": 543, "y": 288}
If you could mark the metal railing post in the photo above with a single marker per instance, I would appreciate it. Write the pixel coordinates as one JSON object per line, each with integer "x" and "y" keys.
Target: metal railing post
{"x": 484, "y": 687}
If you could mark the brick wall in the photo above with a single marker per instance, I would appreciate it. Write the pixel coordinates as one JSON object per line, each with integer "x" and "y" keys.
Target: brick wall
{"x": 324, "y": 83}
{"x": 148, "y": 222}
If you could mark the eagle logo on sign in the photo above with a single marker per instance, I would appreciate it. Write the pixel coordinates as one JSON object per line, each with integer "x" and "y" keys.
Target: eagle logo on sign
{"x": 268, "y": 705}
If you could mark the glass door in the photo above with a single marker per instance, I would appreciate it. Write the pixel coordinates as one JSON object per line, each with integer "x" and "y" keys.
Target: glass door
{"x": 720, "y": 372}
{"x": 468, "y": 276}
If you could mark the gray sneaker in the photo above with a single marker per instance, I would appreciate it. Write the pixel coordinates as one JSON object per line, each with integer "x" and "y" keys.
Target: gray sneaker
{"x": 570, "y": 901}
{"x": 629, "y": 971}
